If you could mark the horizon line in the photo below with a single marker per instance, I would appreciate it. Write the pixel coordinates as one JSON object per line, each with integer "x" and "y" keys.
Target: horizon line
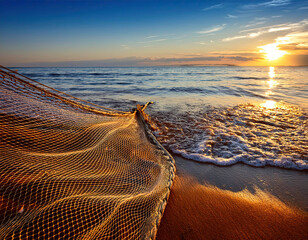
{"x": 171, "y": 65}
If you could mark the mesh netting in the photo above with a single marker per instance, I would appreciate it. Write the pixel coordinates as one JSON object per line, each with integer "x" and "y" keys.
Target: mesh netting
{"x": 73, "y": 170}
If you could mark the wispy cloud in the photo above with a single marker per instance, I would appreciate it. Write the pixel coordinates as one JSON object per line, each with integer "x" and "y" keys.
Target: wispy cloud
{"x": 303, "y": 8}
{"x": 237, "y": 53}
{"x": 278, "y": 29}
{"x": 153, "y": 36}
{"x": 212, "y": 30}
{"x": 273, "y": 3}
{"x": 153, "y": 41}
{"x": 250, "y": 35}
{"x": 231, "y": 16}
{"x": 294, "y": 26}
{"x": 124, "y": 46}
{"x": 198, "y": 59}
{"x": 276, "y": 3}
{"x": 205, "y": 43}
{"x": 260, "y": 18}
{"x": 293, "y": 41}
{"x": 294, "y": 47}
{"x": 256, "y": 32}
{"x": 216, "y": 6}
{"x": 233, "y": 38}
{"x": 253, "y": 24}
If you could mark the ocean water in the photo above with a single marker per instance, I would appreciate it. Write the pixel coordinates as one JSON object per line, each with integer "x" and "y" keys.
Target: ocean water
{"x": 220, "y": 115}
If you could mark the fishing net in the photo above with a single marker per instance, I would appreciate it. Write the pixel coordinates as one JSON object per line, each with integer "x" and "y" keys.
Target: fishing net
{"x": 70, "y": 169}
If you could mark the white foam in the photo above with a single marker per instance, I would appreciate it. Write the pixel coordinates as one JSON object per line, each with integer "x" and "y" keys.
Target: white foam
{"x": 299, "y": 165}
{"x": 245, "y": 133}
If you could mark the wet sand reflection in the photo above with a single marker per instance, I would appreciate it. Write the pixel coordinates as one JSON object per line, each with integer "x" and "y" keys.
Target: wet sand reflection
{"x": 195, "y": 211}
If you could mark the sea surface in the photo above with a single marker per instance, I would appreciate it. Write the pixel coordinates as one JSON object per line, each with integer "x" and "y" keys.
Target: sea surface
{"x": 221, "y": 115}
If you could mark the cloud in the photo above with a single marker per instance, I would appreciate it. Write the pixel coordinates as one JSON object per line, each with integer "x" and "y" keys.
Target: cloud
{"x": 242, "y": 59}
{"x": 260, "y": 18}
{"x": 293, "y": 41}
{"x": 276, "y": 3}
{"x": 250, "y": 35}
{"x": 187, "y": 59}
{"x": 293, "y": 47}
{"x": 237, "y": 53}
{"x": 124, "y": 46}
{"x": 213, "y": 7}
{"x": 198, "y": 59}
{"x": 253, "y": 24}
{"x": 294, "y": 26}
{"x": 273, "y": 3}
{"x": 278, "y": 29}
{"x": 189, "y": 55}
{"x": 296, "y": 45}
{"x": 139, "y": 61}
{"x": 153, "y": 36}
{"x": 231, "y": 16}
{"x": 153, "y": 41}
{"x": 233, "y": 38}
{"x": 213, "y": 29}
{"x": 256, "y": 32}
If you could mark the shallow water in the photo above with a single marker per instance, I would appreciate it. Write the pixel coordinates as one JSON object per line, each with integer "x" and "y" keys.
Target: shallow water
{"x": 223, "y": 115}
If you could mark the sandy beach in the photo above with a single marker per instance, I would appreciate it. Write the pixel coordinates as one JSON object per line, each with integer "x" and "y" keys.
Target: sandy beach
{"x": 235, "y": 202}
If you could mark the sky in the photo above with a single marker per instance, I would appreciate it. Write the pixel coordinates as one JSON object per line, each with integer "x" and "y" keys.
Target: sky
{"x": 153, "y": 32}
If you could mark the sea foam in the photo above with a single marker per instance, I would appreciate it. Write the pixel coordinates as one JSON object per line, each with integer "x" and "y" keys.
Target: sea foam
{"x": 250, "y": 134}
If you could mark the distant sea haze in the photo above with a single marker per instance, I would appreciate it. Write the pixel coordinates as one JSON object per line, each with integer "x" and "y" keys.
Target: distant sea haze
{"x": 217, "y": 114}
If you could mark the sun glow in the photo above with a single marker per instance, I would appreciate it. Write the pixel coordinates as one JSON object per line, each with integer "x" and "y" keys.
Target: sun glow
{"x": 272, "y": 51}
{"x": 269, "y": 104}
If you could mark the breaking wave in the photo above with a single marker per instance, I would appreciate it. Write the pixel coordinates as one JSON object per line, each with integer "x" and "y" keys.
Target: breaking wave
{"x": 250, "y": 134}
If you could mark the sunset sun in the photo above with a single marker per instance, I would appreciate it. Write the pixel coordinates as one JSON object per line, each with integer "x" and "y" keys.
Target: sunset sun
{"x": 272, "y": 52}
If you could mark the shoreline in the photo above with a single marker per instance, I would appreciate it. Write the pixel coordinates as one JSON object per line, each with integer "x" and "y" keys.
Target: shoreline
{"x": 288, "y": 185}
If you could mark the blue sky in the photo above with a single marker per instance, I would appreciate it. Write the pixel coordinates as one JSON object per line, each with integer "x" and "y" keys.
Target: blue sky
{"x": 129, "y": 33}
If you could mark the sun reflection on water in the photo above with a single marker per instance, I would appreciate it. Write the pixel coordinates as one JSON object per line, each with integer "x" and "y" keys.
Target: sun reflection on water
{"x": 268, "y": 93}
{"x": 271, "y": 84}
{"x": 271, "y": 72}
{"x": 269, "y": 104}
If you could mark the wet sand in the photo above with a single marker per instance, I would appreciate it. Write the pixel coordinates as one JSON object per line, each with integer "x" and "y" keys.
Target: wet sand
{"x": 235, "y": 202}
{"x": 290, "y": 186}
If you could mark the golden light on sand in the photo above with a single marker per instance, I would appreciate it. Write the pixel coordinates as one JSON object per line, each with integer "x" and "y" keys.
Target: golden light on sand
{"x": 269, "y": 104}
{"x": 272, "y": 51}
{"x": 196, "y": 211}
